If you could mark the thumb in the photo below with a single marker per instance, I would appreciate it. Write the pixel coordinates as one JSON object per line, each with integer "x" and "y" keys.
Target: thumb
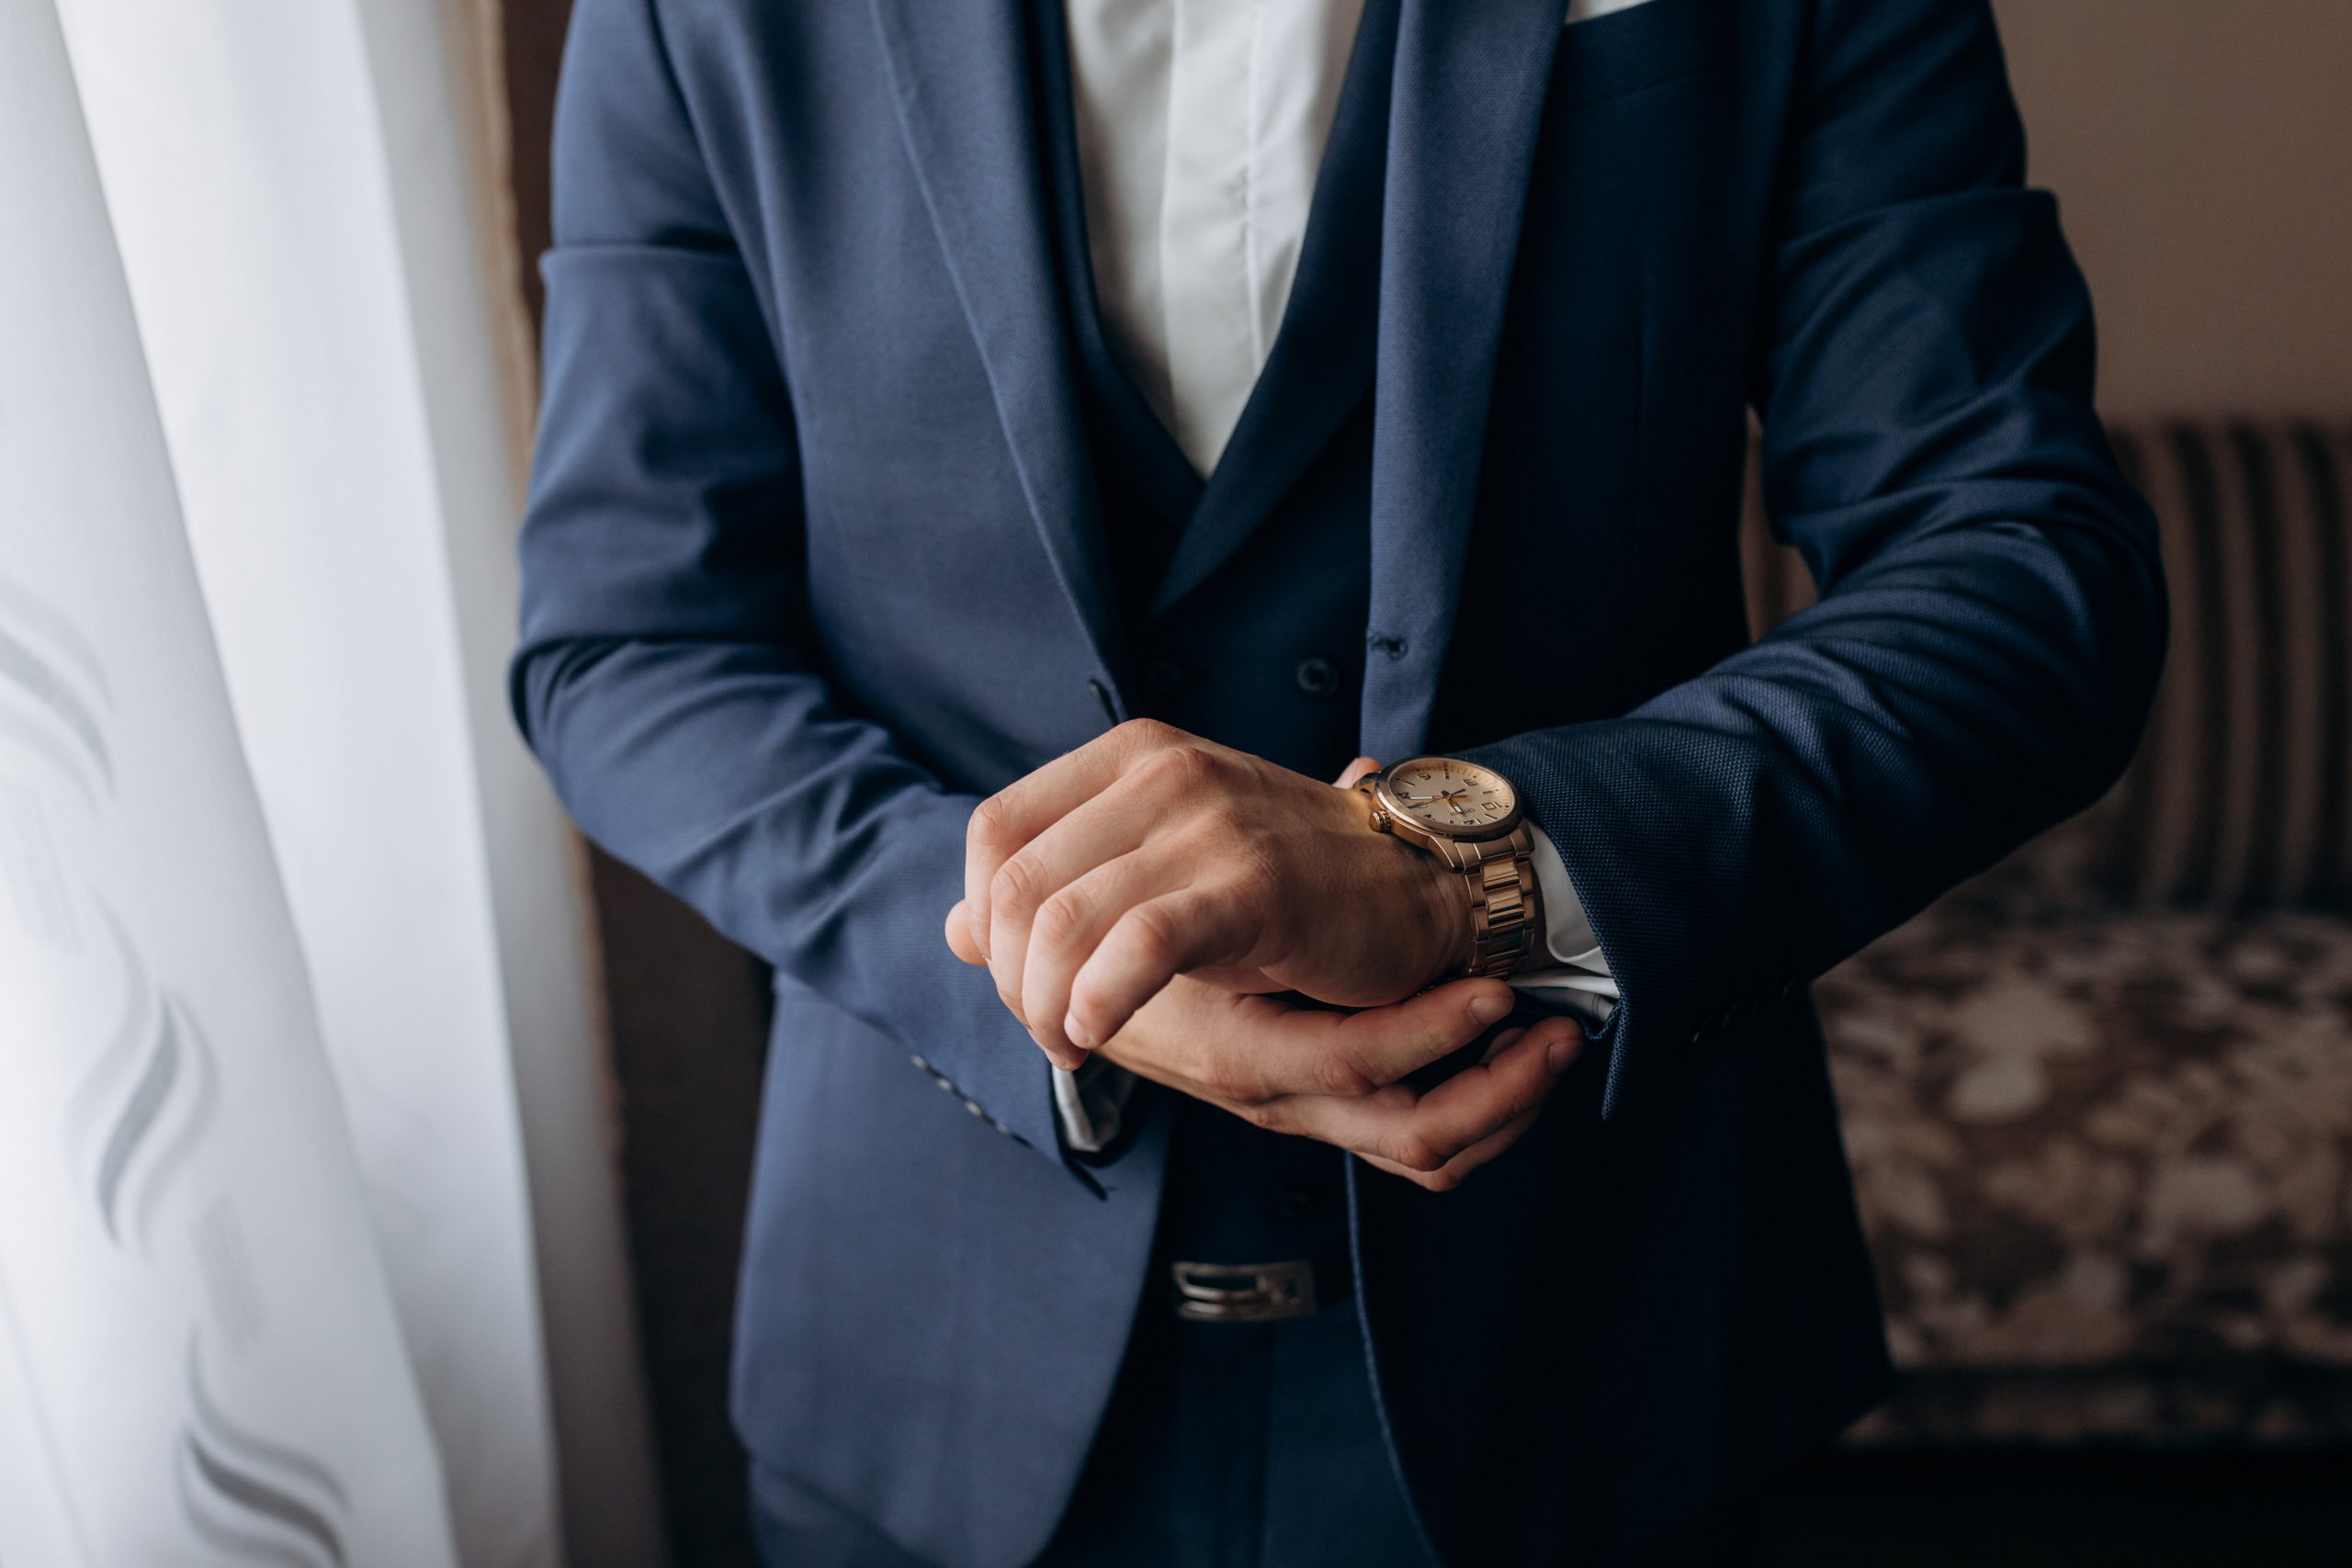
{"x": 1355, "y": 773}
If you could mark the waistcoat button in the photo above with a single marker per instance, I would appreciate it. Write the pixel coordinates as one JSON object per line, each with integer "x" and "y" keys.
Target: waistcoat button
{"x": 1316, "y": 678}
{"x": 1164, "y": 676}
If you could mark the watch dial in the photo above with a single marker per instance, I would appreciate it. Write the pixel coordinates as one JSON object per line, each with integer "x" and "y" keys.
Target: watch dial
{"x": 1453, "y": 796}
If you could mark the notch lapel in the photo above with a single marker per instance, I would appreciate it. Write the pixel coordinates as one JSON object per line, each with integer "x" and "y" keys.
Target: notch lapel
{"x": 964, "y": 91}
{"x": 1469, "y": 102}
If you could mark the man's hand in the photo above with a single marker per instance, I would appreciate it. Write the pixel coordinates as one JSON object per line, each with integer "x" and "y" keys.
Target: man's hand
{"x": 1150, "y": 853}
{"x": 1336, "y": 1077}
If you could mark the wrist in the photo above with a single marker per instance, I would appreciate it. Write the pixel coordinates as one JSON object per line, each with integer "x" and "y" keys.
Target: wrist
{"x": 1420, "y": 908}
{"x": 1435, "y": 902}
{"x": 1444, "y": 913}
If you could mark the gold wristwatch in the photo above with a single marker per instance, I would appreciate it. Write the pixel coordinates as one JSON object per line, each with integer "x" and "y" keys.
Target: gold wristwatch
{"x": 1468, "y": 816}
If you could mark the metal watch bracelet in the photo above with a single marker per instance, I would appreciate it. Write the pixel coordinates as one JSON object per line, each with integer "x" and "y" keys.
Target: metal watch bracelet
{"x": 1506, "y": 909}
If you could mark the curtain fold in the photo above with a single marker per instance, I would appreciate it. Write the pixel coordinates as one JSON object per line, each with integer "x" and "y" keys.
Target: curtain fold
{"x": 303, "y": 203}
{"x": 198, "y": 1356}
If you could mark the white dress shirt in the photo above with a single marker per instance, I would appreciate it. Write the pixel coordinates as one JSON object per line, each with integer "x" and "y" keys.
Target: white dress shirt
{"x": 1200, "y": 126}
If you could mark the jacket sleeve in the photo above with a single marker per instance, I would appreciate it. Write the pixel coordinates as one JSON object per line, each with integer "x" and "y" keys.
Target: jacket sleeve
{"x": 662, "y": 677}
{"x": 1992, "y": 617}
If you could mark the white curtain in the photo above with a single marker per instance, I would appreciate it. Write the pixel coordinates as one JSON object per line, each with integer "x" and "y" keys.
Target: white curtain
{"x": 303, "y": 197}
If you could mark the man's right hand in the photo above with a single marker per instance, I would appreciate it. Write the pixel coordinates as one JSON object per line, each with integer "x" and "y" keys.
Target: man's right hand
{"x": 1337, "y": 1077}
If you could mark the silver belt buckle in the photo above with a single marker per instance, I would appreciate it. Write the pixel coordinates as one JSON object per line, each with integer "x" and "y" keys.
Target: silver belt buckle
{"x": 1244, "y": 1292}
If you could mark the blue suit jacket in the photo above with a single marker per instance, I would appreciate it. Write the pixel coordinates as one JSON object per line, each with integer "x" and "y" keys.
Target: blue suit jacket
{"x": 812, "y": 562}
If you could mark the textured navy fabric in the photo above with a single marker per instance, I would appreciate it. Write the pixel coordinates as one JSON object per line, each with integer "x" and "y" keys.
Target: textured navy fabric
{"x": 817, "y": 555}
{"x": 1222, "y": 649}
{"x": 1226, "y": 1446}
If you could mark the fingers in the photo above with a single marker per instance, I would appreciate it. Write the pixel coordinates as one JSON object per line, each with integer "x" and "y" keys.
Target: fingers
{"x": 1151, "y": 944}
{"x": 1095, "y": 833}
{"x": 1355, "y": 773}
{"x": 1065, "y": 932}
{"x": 1455, "y": 1171}
{"x": 1560, "y": 1035}
{"x": 1262, "y": 1050}
{"x": 1355, "y": 1053}
{"x": 1442, "y": 1135}
{"x": 1003, "y": 824}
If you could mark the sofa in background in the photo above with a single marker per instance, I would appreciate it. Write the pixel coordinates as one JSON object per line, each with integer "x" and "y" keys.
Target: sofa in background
{"x": 2098, "y": 1101}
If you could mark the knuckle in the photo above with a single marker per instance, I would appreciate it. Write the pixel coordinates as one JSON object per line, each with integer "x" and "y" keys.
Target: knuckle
{"x": 1341, "y": 1072}
{"x": 1179, "y": 769}
{"x": 1150, "y": 934}
{"x": 1060, "y": 919}
{"x": 1416, "y": 1152}
{"x": 1438, "y": 1041}
{"x": 1257, "y": 866}
{"x": 1230, "y": 1078}
{"x": 991, "y": 824}
{"x": 1140, "y": 736}
{"x": 1015, "y": 885}
{"x": 1266, "y": 1116}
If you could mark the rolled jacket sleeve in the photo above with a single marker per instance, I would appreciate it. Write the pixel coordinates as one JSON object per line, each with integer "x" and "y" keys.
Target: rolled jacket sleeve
{"x": 1992, "y": 614}
{"x": 660, "y": 677}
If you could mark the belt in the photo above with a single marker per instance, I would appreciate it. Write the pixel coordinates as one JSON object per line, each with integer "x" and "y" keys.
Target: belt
{"x": 1260, "y": 1293}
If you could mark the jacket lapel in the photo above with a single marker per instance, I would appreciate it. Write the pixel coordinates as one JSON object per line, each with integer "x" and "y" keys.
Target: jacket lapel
{"x": 1469, "y": 101}
{"x": 961, "y": 77}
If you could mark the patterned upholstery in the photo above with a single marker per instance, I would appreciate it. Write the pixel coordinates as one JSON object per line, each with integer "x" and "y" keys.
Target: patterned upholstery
{"x": 2099, "y": 1101}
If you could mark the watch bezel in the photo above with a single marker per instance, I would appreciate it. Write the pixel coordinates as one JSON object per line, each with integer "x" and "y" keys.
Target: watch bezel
{"x": 1402, "y": 815}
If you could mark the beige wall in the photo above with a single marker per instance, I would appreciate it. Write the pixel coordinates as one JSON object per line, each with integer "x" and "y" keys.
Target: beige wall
{"x": 2202, "y": 151}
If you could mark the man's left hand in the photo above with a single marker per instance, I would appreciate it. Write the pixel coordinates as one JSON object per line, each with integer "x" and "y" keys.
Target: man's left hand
{"x": 1150, "y": 853}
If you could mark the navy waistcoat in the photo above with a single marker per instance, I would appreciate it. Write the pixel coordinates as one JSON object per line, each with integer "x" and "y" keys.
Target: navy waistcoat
{"x": 1243, "y": 597}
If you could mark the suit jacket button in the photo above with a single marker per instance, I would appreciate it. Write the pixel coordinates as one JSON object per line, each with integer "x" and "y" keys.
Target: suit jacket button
{"x": 1164, "y": 676}
{"x": 1316, "y": 678}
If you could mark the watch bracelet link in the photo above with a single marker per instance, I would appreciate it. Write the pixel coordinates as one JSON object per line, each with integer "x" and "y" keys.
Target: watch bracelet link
{"x": 1505, "y": 909}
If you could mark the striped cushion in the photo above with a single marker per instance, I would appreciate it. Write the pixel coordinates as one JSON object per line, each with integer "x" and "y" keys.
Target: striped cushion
{"x": 2241, "y": 795}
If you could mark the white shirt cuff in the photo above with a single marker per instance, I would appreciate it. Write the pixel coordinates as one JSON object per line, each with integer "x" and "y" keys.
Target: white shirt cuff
{"x": 1576, "y": 976}
{"x": 1091, "y": 1103}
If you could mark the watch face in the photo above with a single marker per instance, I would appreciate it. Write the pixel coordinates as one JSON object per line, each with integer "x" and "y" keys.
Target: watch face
{"x": 1445, "y": 795}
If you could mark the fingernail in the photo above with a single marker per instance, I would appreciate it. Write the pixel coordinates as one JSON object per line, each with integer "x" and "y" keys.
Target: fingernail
{"x": 1080, "y": 1035}
{"x": 1488, "y": 1007}
{"x": 1562, "y": 1051}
